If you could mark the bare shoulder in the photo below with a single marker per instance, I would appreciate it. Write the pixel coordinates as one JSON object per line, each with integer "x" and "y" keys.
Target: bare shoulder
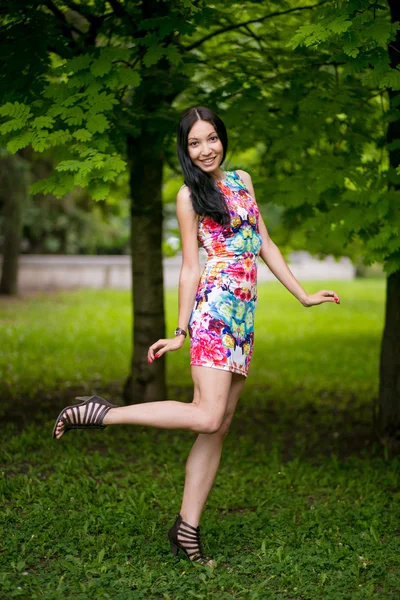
{"x": 183, "y": 199}
{"x": 247, "y": 180}
{"x": 245, "y": 176}
{"x": 184, "y": 206}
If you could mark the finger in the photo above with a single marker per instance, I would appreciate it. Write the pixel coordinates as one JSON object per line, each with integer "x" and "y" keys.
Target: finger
{"x": 159, "y": 353}
{"x": 328, "y": 293}
{"x": 335, "y": 298}
{"x": 150, "y": 354}
{"x": 153, "y": 348}
{"x": 159, "y": 344}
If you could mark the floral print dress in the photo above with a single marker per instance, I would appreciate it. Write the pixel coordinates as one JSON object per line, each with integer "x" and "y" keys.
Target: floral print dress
{"x": 221, "y": 325}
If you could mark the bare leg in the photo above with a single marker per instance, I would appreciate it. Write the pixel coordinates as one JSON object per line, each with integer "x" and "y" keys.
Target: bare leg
{"x": 204, "y": 458}
{"x": 204, "y": 414}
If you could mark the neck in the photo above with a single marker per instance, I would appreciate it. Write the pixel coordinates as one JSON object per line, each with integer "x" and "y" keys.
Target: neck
{"x": 218, "y": 174}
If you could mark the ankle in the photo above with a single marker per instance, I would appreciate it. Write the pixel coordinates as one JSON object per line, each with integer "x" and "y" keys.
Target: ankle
{"x": 190, "y": 518}
{"x": 109, "y": 418}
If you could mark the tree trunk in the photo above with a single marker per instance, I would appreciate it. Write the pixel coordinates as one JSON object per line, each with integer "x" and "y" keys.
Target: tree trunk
{"x": 389, "y": 389}
{"x": 147, "y": 381}
{"x": 14, "y": 181}
{"x": 388, "y": 414}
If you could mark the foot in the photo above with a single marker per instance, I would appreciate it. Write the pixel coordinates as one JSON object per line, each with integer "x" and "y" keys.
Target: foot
{"x": 195, "y": 550}
{"x": 89, "y": 413}
{"x": 188, "y": 538}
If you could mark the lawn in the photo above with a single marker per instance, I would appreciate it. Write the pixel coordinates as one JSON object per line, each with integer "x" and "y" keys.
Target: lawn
{"x": 305, "y": 504}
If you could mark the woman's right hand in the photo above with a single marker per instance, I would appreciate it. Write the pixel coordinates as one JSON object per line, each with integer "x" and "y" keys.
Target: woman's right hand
{"x": 160, "y": 347}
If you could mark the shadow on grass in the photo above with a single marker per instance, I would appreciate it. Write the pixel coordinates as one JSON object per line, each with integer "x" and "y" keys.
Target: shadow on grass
{"x": 327, "y": 424}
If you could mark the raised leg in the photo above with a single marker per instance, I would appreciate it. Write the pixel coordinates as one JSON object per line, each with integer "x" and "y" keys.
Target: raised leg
{"x": 205, "y": 414}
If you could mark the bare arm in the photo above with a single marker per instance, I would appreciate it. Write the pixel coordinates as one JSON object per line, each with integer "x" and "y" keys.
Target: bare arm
{"x": 190, "y": 269}
{"x": 273, "y": 258}
{"x": 189, "y": 274}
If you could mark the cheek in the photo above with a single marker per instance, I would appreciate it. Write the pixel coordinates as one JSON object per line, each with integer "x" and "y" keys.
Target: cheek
{"x": 218, "y": 147}
{"x": 193, "y": 152}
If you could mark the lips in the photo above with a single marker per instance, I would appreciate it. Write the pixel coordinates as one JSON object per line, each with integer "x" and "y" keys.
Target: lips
{"x": 209, "y": 161}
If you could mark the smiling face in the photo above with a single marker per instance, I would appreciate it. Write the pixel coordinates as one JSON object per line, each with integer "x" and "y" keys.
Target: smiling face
{"x": 205, "y": 148}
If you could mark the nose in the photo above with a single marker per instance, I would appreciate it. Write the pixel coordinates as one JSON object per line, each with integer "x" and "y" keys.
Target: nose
{"x": 206, "y": 150}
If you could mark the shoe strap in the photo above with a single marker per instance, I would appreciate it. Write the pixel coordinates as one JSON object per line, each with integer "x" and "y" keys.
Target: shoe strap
{"x": 94, "y": 413}
{"x": 189, "y": 537}
{"x": 188, "y": 525}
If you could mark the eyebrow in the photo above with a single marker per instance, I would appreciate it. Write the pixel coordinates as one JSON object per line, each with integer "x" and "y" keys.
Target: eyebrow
{"x": 195, "y": 138}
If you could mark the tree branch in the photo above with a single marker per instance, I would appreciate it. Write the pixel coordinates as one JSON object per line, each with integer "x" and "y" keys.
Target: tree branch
{"x": 254, "y": 36}
{"x": 82, "y": 10}
{"x": 249, "y": 22}
{"x": 68, "y": 27}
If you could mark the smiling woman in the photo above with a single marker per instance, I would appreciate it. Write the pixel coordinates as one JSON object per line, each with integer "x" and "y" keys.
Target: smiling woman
{"x": 205, "y": 146}
{"x": 202, "y": 146}
{"x": 217, "y": 307}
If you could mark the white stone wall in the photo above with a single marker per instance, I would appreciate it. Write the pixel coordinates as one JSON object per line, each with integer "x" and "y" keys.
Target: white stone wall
{"x": 47, "y": 272}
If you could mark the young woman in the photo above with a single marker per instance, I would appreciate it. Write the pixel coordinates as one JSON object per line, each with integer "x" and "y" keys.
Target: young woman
{"x": 217, "y": 307}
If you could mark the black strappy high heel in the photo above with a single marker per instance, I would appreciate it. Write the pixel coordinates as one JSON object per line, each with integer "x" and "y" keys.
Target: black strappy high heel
{"x": 189, "y": 543}
{"x": 96, "y": 409}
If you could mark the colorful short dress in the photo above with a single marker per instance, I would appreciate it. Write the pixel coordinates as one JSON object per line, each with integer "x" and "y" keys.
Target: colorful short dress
{"x": 221, "y": 325}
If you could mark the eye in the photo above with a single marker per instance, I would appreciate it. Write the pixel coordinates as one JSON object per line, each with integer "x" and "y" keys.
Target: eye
{"x": 192, "y": 143}
{"x": 214, "y": 137}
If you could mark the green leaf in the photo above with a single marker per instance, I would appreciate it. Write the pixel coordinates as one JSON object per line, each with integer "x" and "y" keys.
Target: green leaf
{"x": 340, "y": 24}
{"x": 153, "y": 55}
{"x": 100, "y": 555}
{"x": 309, "y": 35}
{"x": 19, "y": 142}
{"x": 83, "y": 135}
{"x": 69, "y": 165}
{"x": 42, "y": 122}
{"x": 173, "y": 55}
{"x": 58, "y": 138}
{"x": 128, "y": 77}
{"x": 391, "y": 80}
{"x": 99, "y": 191}
{"x": 74, "y": 115}
{"x": 97, "y": 123}
{"x": 102, "y": 102}
{"x": 78, "y": 63}
{"x": 39, "y": 140}
{"x": 15, "y": 110}
{"x": 350, "y": 49}
{"x": 12, "y": 125}
{"x": 379, "y": 30}
{"x": 101, "y": 66}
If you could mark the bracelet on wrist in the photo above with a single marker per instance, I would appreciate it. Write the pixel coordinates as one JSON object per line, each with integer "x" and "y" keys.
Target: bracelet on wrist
{"x": 179, "y": 331}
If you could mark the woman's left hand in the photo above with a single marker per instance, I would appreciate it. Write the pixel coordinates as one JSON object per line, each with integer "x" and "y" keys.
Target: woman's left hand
{"x": 320, "y": 297}
{"x": 161, "y": 346}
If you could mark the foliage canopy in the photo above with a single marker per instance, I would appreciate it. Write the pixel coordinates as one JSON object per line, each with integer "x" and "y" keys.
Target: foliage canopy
{"x": 305, "y": 85}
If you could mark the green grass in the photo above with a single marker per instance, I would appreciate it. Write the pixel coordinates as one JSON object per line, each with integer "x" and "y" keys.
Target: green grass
{"x": 304, "y": 506}
{"x": 78, "y": 338}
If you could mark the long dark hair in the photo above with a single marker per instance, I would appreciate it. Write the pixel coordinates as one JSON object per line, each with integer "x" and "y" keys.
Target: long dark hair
{"x": 206, "y": 197}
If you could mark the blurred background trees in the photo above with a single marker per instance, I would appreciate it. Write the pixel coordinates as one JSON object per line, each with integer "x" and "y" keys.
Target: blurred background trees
{"x": 309, "y": 93}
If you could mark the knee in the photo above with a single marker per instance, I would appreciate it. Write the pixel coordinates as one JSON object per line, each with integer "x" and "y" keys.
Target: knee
{"x": 215, "y": 424}
{"x": 224, "y": 428}
{"x": 210, "y": 423}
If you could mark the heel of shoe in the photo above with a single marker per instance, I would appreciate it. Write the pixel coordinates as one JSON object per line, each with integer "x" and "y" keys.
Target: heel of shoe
{"x": 174, "y": 549}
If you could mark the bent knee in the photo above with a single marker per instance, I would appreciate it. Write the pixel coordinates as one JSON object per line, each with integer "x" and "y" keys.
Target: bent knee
{"x": 210, "y": 423}
{"x": 226, "y": 423}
